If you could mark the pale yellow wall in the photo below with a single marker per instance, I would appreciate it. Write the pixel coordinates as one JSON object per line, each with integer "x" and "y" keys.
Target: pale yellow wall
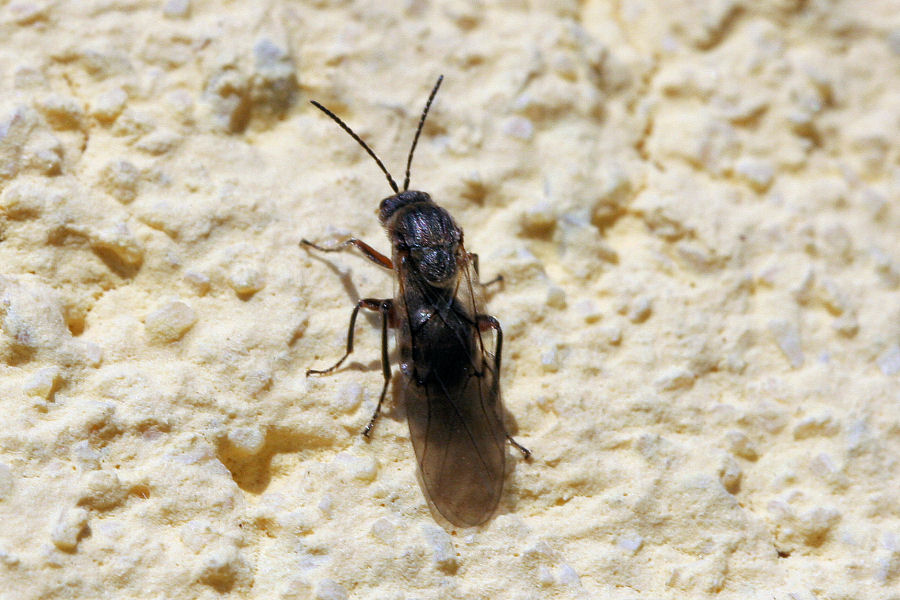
{"x": 695, "y": 209}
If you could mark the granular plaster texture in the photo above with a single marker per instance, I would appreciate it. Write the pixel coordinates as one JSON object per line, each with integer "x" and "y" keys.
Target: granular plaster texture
{"x": 695, "y": 207}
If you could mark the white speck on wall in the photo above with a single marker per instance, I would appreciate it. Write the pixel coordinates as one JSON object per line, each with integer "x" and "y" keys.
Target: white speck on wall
{"x": 788, "y": 339}
{"x": 889, "y": 360}
{"x": 328, "y": 589}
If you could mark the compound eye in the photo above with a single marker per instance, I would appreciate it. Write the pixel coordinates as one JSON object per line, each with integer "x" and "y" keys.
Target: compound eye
{"x": 387, "y": 208}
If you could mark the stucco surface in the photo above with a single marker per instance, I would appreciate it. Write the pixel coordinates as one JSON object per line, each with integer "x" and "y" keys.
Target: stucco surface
{"x": 694, "y": 206}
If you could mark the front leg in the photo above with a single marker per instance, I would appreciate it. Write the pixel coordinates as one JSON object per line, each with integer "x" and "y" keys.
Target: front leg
{"x": 368, "y": 251}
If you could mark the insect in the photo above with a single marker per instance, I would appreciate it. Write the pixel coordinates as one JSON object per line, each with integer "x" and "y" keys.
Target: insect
{"x": 451, "y": 379}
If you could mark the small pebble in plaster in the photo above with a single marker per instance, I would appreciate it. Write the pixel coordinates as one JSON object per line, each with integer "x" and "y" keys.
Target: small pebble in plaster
{"x": 170, "y": 322}
{"x": 68, "y": 529}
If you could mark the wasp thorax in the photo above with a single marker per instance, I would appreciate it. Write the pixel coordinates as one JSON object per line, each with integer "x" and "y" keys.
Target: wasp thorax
{"x": 436, "y": 265}
{"x": 424, "y": 234}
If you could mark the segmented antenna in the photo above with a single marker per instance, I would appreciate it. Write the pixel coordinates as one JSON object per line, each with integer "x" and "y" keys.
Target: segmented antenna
{"x": 419, "y": 130}
{"x": 381, "y": 166}
{"x": 365, "y": 146}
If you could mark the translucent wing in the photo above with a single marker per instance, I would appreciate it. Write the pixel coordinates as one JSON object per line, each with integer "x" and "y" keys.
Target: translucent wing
{"x": 459, "y": 445}
{"x": 452, "y": 400}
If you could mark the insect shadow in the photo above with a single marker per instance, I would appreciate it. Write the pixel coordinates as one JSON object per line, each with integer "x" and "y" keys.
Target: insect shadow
{"x": 449, "y": 349}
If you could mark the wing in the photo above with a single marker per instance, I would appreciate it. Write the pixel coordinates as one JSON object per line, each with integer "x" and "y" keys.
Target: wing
{"x": 460, "y": 447}
{"x": 453, "y": 409}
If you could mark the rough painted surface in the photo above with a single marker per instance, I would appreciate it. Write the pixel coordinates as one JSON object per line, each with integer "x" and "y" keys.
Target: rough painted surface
{"x": 695, "y": 209}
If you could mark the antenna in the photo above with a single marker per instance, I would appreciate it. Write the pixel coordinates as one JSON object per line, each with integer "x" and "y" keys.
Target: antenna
{"x": 419, "y": 130}
{"x": 344, "y": 126}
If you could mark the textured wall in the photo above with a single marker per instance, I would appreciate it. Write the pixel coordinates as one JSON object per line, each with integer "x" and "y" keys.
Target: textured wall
{"x": 695, "y": 209}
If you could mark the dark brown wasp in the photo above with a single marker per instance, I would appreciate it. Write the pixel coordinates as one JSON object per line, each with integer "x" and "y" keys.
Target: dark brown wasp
{"x": 452, "y": 381}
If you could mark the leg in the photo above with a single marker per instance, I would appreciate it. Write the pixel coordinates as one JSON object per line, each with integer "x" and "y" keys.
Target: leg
{"x": 368, "y": 251}
{"x": 386, "y": 307}
{"x": 526, "y": 453}
{"x": 486, "y": 322}
{"x": 474, "y": 259}
{"x": 367, "y": 303}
